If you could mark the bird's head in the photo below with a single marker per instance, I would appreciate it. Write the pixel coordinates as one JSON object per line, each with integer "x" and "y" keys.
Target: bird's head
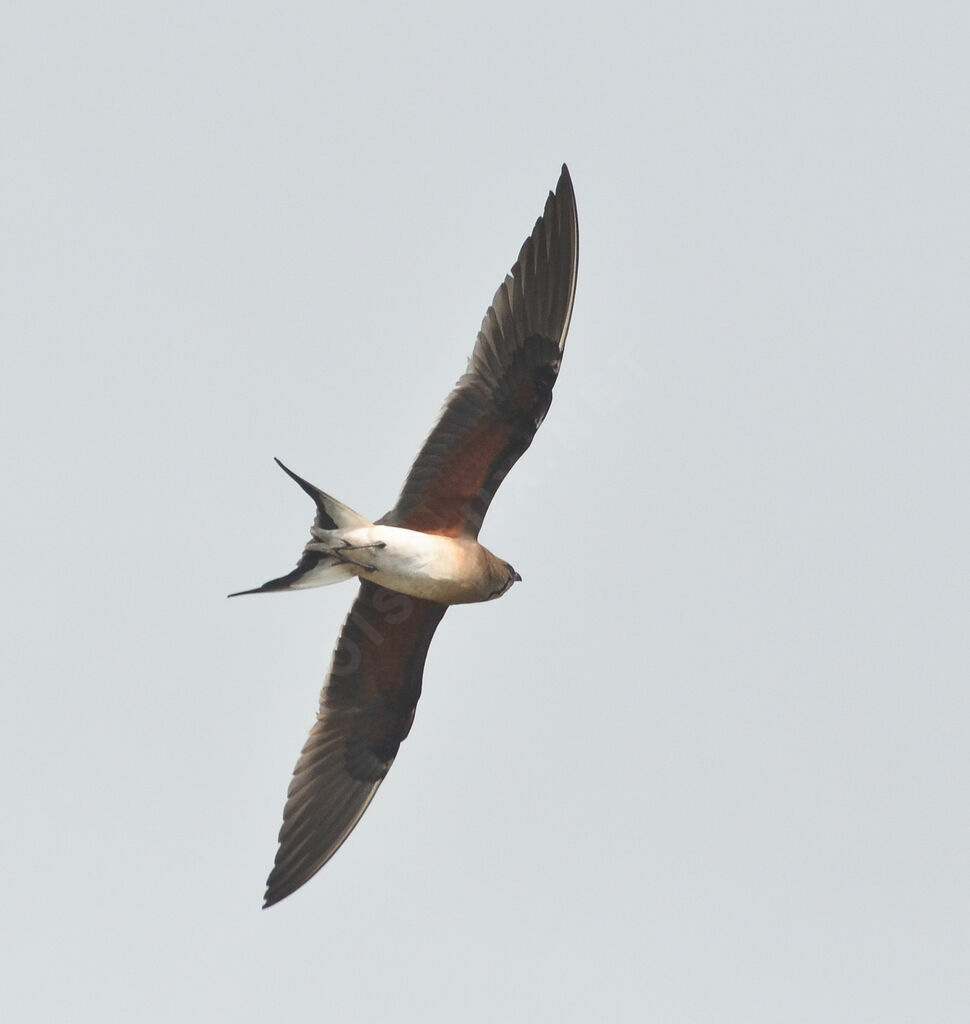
{"x": 505, "y": 584}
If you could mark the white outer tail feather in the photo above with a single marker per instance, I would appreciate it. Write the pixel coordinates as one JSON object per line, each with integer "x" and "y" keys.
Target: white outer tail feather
{"x": 344, "y": 516}
{"x": 323, "y": 575}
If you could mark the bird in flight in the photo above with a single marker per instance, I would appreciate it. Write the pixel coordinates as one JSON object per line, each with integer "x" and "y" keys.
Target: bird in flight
{"x": 424, "y": 554}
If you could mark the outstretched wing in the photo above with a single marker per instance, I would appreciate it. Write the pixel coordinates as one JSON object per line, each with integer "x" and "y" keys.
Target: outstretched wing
{"x": 366, "y": 709}
{"x": 491, "y": 416}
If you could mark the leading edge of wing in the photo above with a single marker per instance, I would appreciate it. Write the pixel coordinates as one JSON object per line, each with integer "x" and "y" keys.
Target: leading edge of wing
{"x": 492, "y": 414}
{"x": 366, "y": 710}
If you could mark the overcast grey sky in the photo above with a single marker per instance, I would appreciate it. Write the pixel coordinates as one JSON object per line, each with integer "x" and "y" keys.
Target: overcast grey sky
{"x": 708, "y": 762}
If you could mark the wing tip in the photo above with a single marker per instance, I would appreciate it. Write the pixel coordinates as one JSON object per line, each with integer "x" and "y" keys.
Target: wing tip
{"x": 569, "y": 225}
{"x": 270, "y": 898}
{"x": 565, "y": 182}
{"x": 283, "y": 882}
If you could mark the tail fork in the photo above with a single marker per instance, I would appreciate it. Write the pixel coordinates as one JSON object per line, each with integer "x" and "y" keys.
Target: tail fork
{"x": 316, "y": 567}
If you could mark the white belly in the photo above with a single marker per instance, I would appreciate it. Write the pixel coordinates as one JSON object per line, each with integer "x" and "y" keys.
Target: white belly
{"x": 443, "y": 569}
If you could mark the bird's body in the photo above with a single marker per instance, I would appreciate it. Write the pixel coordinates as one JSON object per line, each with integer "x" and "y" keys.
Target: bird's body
{"x": 424, "y": 555}
{"x": 450, "y": 570}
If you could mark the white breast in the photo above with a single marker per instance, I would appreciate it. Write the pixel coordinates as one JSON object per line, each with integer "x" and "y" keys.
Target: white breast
{"x": 445, "y": 569}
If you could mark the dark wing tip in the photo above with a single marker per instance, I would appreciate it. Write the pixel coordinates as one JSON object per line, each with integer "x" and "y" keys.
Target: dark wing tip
{"x": 565, "y": 199}
{"x": 271, "y": 898}
{"x": 548, "y": 262}
{"x": 564, "y": 186}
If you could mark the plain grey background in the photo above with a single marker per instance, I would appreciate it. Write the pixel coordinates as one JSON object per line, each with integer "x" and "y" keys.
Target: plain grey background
{"x": 708, "y": 762}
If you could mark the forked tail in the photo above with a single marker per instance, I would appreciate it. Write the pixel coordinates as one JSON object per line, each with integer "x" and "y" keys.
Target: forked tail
{"x": 316, "y": 568}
